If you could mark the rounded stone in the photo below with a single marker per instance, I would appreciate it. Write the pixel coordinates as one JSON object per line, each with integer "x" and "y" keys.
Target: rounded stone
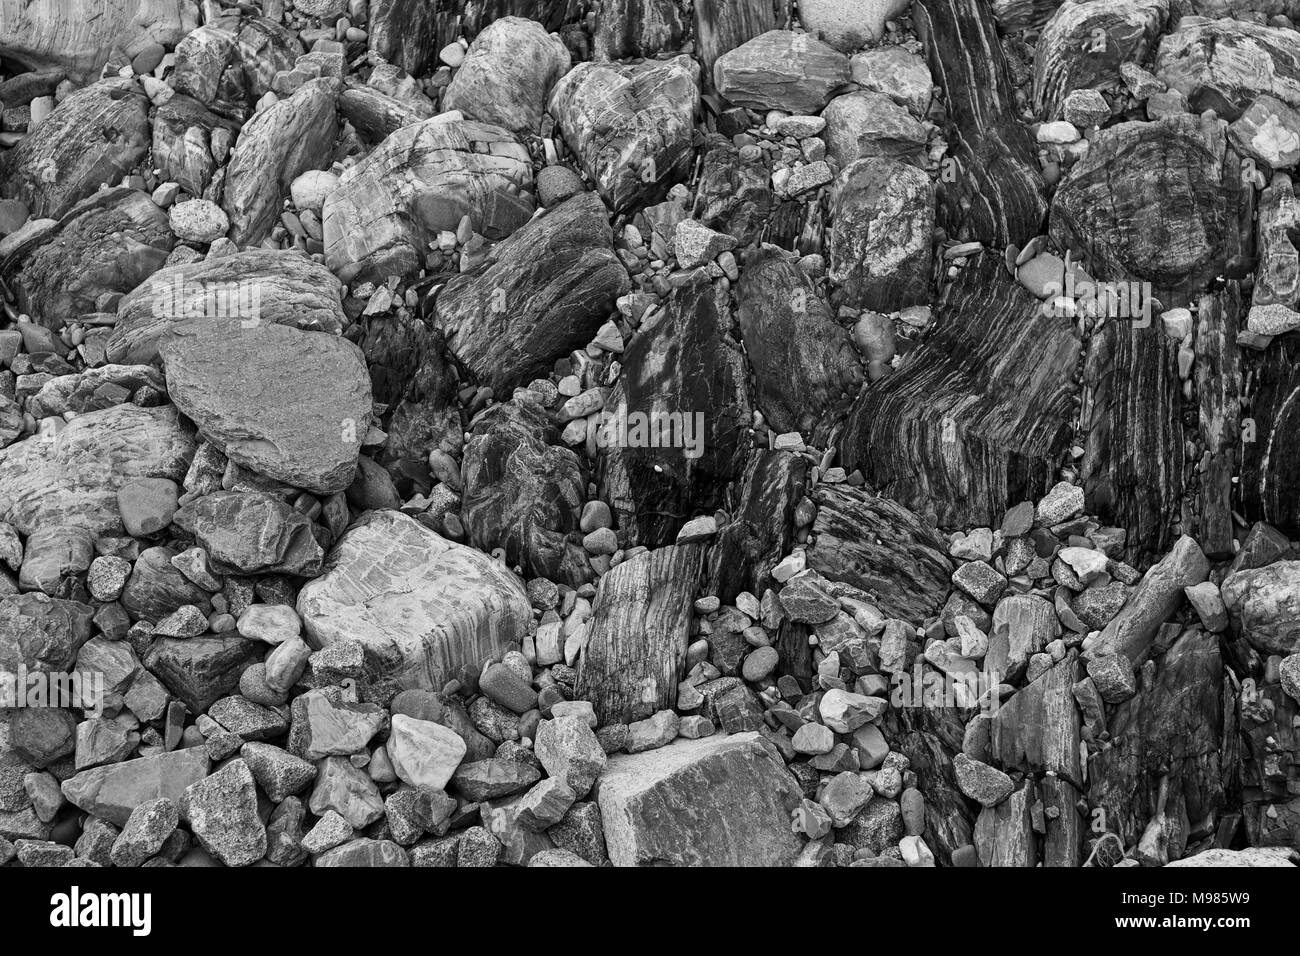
{"x": 556, "y": 184}
{"x": 147, "y": 505}
{"x": 197, "y": 220}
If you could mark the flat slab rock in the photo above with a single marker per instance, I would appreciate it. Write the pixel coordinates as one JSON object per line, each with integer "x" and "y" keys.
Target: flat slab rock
{"x": 420, "y": 605}
{"x": 290, "y": 405}
{"x": 73, "y": 478}
{"x": 423, "y": 179}
{"x": 781, "y": 70}
{"x": 112, "y": 792}
{"x": 716, "y": 801}
{"x": 276, "y": 287}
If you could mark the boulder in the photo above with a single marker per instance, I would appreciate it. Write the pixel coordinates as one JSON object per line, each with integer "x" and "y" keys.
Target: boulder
{"x": 421, "y": 180}
{"x": 110, "y": 793}
{"x": 290, "y": 405}
{"x": 1265, "y": 604}
{"x": 716, "y": 801}
{"x": 420, "y": 605}
{"x": 507, "y": 74}
{"x": 631, "y": 125}
{"x": 781, "y": 70}
{"x": 867, "y": 123}
{"x": 553, "y": 284}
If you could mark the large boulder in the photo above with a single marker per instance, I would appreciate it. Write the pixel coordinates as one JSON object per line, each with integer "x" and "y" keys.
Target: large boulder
{"x": 291, "y": 405}
{"x": 71, "y": 477}
{"x": 420, "y": 605}
{"x": 867, "y": 123}
{"x": 1265, "y": 604}
{"x": 781, "y": 70}
{"x": 78, "y": 36}
{"x": 507, "y": 75}
{"x": 108, "y": 244}
{"x": 716, "y": 801}
{"x": 270, "y": 286}
{"x": 553, "y": 284}
{"x": 523, "y": 493}
{"x": 1224, "y": 64}
{"x": 93, "y": 137}
{"x": 40, "y": 633}
{"x": 421, "y": 180}
{"x": 631, "y": 125}
{"x": 278, "y": 143}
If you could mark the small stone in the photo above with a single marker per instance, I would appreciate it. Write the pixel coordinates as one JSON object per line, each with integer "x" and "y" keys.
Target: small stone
{"x": 148, "y": 827}
{"x": 653, "y": 732}
{"x": 271, "y": 623}
{"x": 147, "y": 505}
{"x": 198, "y": 220}
{"x": 698, "y": 529}
{"x": 813, "y": 739}
{"x": 986, "y": 785}
{"x": 1086, "y": 108}
{"x": 696, "y": 244}
{"x": 1062, "y": 503}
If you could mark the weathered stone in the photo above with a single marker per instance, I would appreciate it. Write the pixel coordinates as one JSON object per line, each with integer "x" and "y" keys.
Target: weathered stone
{"x": 781, "y": 70}
{"x": 507, "y": 74}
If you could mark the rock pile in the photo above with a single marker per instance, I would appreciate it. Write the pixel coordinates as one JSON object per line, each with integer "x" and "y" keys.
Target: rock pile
{"x": 832, "y": 434}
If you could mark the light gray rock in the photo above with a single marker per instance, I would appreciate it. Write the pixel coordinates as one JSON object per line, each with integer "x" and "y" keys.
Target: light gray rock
{"x": 507, "y": 75}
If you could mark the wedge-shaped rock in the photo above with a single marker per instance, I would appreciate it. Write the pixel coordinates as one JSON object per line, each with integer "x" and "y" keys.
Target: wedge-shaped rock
{"x": 111, "y": 793}
{"x": 421, "y": 606}
{"x": 804, "y": 363}
{"x": 419, "y": 181}
{"x": 553, "y": 284}
{"x": 221, "y": 810}
{"x": 869, "y": 123}
{"x": 1037, "y": 730}
{"x": 200, "y": 670}
{"x": 507, "y": 75}
{"x": 79, "y": 35}
{"x": 267, "y": 286}
{"x": 93, "y": 137}
{"x": 290, "y": 405}
{"x": 110, "y": 243}
{"x": 287, "y": 138}
{"x": 72, "y": 477}
{"x": 1004, "y": 835}
{"x": 636, "y": 654}
{"x": 879, "y": 546}
{"x": 716, "y": 801}
{"x": 630, "y": 125}
{"x": 781, "y": 70}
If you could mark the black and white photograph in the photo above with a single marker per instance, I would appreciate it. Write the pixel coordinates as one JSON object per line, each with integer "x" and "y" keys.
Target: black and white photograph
{"x": 818, "y": 434}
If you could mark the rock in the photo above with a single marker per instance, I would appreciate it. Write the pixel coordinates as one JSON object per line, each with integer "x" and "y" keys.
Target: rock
{"x": 111, "y": 793}
{"x": 1060, "y": 504}
{"x": 1208, "y": 602}
{"x": 145, "y": 831}
{"x": 523, "y": 493}
{"x": 637, "y": 28}
{"x": 422, "y": 606}
{"x": 344, "y": 788}
{"x": 507, "y": 75}
{"x": 731, "y": 800}
{"x": 848, "y": 25}
{"x": 1023, "y": 624}
{"x": 879, "y": 244}
{"x": 276, "y": 145}
{"x": 803, "y": 362}
{"x": 1251, "y": 856}
{"x": 252, "y": 533}
{"x": 505, "y": 687}
{"x": 94, "y": 137}
{"x": 424, "y": 753}
{"x": 781, "y": 70}
{"x": 1085, "y": 109}
{"x": 494, "y": 778}
{"x": 570, "y": 752}
{"x": 364, "y": 852}
{"x": 423, "y": 179}
{"x": 1289, "y": 676}
{"x": 556, "y": 184}
{"x": 279, "y": 773}
{"x": 1265, "y": 604}
{"x": 636, "y": 653}
{"x": 1154, "y": 599}
{"x": 652, "y": 733}
{"x": 199, "y": 670}
{"x": 1225, "y": 65}
{"x": 265, "y": 286}
{"x": 75, "y": 479}
{"x": 866, "y": 124}
{"x": 156, "y": 587}
{"x": 197, "y": 220}
{"x": 894, "y": 71}
{"x": 302, "y": 407}
{"x": 868, "y": 541}
{"x": 696, "y": 244}
{"x": 551, "y": 287}
{"x": 630, "y": 125}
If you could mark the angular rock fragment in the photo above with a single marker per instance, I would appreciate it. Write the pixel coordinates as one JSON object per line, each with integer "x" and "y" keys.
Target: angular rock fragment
{"x": 507, "y": 74}
{"x": 781, "y": 70}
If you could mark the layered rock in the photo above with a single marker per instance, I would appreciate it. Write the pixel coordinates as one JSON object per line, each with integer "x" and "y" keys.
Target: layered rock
{"x": 552, "y": 285}
{"x": 630, "y": 125}
{"x": 781, "y": 70}
{"x": 523, "y": 494}
{"x": 718, "y": 801}
{"x": 278, "y": 143}
{"x": 507, "y": 75}
{"x": 72, "y": 477}
{"x": 263, "y": 286}
{"x": 421, "y": 180}
{"x": 1224, "y": 64}
{"x": 637, "y": 28}
{"x": 291, "y": 405}
{"x": 420, "y": 605}
{"x": 636, "y": 652}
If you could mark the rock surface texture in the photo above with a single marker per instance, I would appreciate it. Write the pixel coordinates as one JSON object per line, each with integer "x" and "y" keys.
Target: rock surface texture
{"x": 809, "y": 433}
